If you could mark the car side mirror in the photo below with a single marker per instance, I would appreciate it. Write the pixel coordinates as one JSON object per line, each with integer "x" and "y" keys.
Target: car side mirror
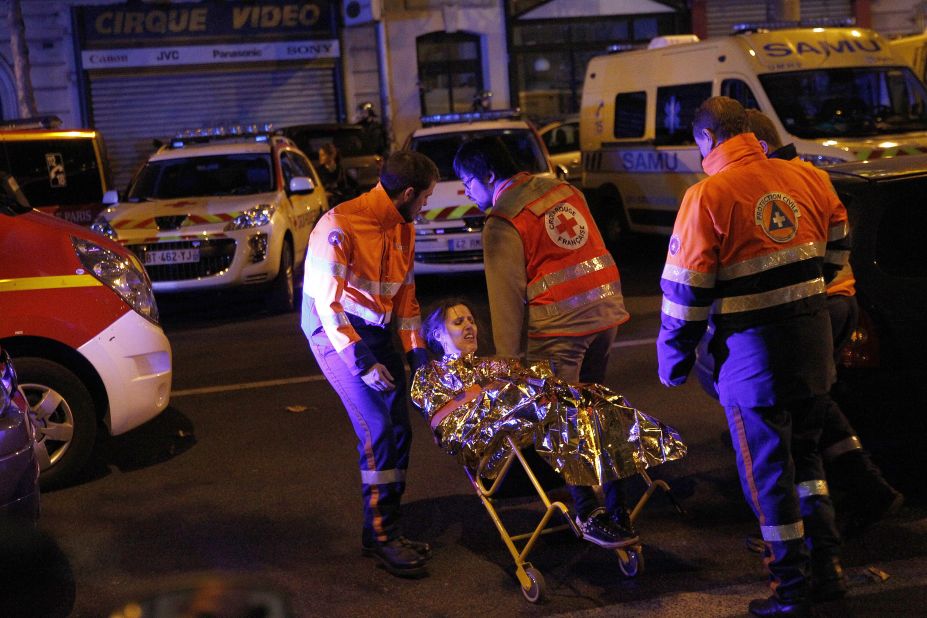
{"x": 301, "y": 185}
{"x": 111, "y": 198}
{"x": 12, "y": 200}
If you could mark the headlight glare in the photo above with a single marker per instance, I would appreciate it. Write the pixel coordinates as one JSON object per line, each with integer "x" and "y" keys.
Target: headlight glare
{"x": 258, "y": 216}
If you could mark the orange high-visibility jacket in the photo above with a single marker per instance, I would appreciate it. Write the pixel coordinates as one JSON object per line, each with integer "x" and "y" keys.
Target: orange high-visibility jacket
{"x": 753, "y": 246}
{"x": 359, "y": 269}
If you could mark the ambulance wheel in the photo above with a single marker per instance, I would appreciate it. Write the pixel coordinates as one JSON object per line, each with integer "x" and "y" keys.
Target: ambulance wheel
{"x": 631, "y": 561}
{"x": 535, "y": 592}
{"x": 283, "y": 293}
{"x": 63, "y": 413}
{"x": 609, "y": 214}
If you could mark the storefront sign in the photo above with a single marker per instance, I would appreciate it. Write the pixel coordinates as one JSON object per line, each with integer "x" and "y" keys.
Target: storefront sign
{"x": 125, "y": 25}
{"x": 208, "y": 54}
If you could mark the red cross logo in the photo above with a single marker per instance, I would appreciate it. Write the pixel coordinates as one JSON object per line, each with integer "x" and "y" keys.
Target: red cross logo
{"x": 567, "y": 224}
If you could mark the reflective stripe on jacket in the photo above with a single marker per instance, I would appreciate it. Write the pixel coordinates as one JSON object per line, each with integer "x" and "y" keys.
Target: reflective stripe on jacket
{"x": 359, "y": 273}
{"x": 567, "y": 267}
{"x": 753, "y": 245}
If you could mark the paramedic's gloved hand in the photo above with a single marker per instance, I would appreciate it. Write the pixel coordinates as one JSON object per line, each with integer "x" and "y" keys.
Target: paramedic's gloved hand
{"x": 417, "y": 358}
{"x": 379, "y": 378}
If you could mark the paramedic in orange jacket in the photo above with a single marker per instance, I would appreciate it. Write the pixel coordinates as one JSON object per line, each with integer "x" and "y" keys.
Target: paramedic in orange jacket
{"x": 544, "y": 256}
{"x": 359, "y": 280}
{"x": 753, "y": 245}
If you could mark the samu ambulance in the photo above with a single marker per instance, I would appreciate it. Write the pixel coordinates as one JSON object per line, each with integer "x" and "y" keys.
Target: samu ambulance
{"x": 837, "y": 93}
{"x": 78, "y": 317}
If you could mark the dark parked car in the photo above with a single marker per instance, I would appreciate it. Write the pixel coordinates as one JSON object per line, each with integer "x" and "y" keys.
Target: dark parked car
{"x": 885, "y": 202}
{"x": 881, "y": 385}
{"x": 360, "y": 148}
{"x": 19, "y": 467}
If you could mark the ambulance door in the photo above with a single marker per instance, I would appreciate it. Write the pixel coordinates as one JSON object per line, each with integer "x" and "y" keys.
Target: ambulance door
{"x": 658, "y": 172}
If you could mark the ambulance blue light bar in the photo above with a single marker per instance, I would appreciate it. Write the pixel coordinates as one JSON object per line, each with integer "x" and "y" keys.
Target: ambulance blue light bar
{"x": 493, "y": 114}
{"x": 820, "y": 22}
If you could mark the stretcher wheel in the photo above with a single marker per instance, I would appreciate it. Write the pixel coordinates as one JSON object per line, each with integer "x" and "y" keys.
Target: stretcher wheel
{"x": 630, "y": 561}
{"x": 535, "y": 592}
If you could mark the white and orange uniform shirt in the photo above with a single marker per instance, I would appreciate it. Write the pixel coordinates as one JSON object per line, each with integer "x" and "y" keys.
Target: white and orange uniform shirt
{"x": 543, "y": 250}
{"x": 752, "y": 247}
{"x": 359, "y": 274}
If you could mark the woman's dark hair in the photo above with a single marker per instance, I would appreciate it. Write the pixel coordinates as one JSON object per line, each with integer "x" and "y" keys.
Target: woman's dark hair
{"x": 435, "y": 321}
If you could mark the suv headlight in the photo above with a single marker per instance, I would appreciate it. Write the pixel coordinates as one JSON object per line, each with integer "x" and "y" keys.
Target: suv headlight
{"x": 125, "y": 276}
{"x": 101, "y": 225}
{"x": 253, "y": 217}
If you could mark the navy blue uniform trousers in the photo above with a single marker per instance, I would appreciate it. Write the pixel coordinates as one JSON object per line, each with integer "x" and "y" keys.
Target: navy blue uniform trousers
{"x": 381, "y": 422}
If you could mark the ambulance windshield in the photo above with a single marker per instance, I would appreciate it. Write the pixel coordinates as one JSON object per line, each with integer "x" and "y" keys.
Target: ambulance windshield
{"x": 848, "y": 102}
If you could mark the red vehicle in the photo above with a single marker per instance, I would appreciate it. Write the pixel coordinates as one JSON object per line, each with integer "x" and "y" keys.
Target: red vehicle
{"x": 81, "y": 324}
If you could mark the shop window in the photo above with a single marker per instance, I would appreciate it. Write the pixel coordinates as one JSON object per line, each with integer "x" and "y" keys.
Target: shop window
{"x": 450, "y": 71}
{"x": 676, "y": 107}
{"x": 630, "y": 114}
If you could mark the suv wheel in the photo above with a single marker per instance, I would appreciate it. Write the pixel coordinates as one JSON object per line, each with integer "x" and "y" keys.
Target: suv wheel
{"x": 63, "y": 413}
{"x": 283, "y": 293}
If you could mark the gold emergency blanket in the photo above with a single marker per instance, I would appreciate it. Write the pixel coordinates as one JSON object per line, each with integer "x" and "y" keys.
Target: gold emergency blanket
{"x": 586, "y": 432}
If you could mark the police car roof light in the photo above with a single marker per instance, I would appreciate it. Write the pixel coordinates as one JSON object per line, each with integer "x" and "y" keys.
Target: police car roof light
{"x": 820, "y": 22}
{"x": 493, "y": 114}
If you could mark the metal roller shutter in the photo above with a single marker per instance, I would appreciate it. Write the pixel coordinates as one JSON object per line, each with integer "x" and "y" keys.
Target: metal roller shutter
{"x": 132, "y": 110}
{"x": 722, "y": 15}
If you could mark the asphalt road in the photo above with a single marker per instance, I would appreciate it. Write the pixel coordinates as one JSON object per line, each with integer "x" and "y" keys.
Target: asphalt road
{"x": 249, "y": 479}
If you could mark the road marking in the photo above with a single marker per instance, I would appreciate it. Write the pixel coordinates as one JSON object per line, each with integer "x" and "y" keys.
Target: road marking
{"x": 631, "y": 343}
{"x": 246, "y": 385}
{"x": 209, "y": 390}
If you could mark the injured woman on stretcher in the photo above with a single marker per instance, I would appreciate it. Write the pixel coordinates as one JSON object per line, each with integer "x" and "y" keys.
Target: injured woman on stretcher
{"x": 586, "y": 432}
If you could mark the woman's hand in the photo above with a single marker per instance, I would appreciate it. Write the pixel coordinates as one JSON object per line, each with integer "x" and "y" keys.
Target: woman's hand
{"x": 379, "y": 378}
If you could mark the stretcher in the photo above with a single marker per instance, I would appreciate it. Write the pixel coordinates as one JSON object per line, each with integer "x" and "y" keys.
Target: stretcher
{"x": 630, "y": 558}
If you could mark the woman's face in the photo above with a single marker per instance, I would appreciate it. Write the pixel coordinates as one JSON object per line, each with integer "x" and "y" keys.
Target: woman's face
{"x": 459, "y": 333}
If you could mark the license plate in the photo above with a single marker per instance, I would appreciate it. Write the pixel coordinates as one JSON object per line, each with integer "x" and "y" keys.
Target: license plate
{"x": 465, "y": 244}
{"x": 175, "y": 256}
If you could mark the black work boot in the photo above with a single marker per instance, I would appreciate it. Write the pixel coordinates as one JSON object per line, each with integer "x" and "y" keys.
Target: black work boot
{"x": 422, "y": 549}
{"x": 774, "y": 606}
{"x": 828, "y": 581}
{"x": 397, "y": 558}
{"x": 870, "y": 498}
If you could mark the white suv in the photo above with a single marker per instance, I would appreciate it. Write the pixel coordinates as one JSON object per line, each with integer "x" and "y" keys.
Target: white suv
{"x": 448, "y": 232}
{"x": 221, "y": 211}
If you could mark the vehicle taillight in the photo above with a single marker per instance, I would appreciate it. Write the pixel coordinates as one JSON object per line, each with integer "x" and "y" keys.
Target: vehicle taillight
{"x": 862, "y": 351}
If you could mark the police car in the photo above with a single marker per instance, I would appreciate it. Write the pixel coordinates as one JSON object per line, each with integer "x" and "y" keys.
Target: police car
{"x": 220, "y": 208}
{"x": 448, "y": 231}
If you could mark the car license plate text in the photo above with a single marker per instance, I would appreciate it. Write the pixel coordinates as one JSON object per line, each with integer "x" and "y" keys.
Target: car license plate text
{"x": 465, "y": 244}
{"x": 176, "y": 256}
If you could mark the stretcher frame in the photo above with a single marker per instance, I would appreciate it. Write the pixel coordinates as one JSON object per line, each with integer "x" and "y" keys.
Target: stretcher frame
{"x": 630, "y": 558}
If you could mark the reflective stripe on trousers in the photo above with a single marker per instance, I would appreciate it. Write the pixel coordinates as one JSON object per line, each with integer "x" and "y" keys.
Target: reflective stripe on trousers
{"x": 381, "y": 423}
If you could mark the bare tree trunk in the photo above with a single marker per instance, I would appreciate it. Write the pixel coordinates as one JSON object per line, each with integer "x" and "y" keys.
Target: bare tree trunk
{"x": 22, "y": 70}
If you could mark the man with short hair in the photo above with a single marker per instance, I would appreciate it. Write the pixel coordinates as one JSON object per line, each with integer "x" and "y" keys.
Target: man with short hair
{"x": 359, "y": 280}
{"x": 544, "y": 257}
{"x": 752, "y": 248}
